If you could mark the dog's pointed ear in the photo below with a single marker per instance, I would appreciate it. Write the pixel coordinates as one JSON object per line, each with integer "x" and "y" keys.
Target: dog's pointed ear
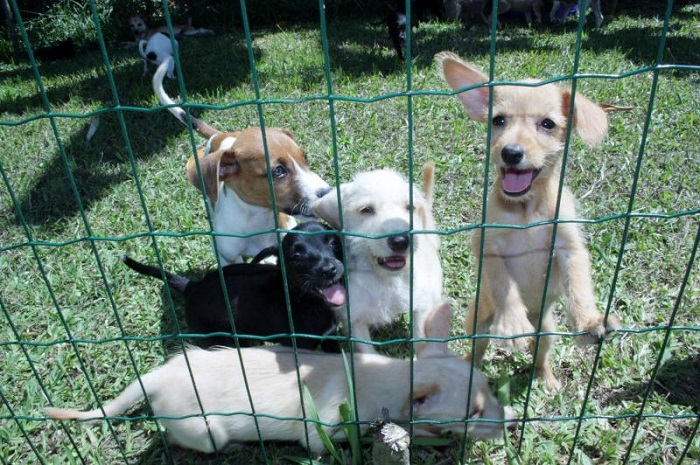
{"x": 216, "y": 167}
{"x": 590, "y": 120}
{"x": 458, "y": 75}
{"x": 437, "y": 325}
{"x": 327, "y": 208}
{"x": 424, "y": 399}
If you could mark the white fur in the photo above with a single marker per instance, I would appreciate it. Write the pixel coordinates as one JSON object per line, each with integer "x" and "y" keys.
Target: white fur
{"x": 376, "y": 296}
{"x": 440, "y": 387}
{"x": 162, "y": 47}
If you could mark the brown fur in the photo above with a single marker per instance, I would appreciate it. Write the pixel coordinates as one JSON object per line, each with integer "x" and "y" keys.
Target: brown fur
{"x": 515, "y": 261}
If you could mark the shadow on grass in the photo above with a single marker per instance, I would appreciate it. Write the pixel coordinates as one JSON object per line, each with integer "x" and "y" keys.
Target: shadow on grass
{"x": 99, "y": 164}
{"x": 678, "y": 380}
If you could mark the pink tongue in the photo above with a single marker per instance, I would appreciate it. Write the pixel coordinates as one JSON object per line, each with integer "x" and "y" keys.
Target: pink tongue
{"x": 515, "y": 181}
{"x": 394, "y": 262}
{"x": 334, "y": 294}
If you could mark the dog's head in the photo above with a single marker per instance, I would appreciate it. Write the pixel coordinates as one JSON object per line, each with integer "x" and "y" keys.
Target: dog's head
{"x": 238, "y": 161}
{"x": 528, "y": 125}
{"x": 440, "y": 382}
{"x": 377, "y": 204}
{"x": 138, "y": 27}
{"x": 313, "y": 262}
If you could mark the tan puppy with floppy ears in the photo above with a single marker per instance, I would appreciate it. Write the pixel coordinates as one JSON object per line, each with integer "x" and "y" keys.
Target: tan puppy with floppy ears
{"x": 440, "y": 393}
{"x": 528, "y": 132}
{"x": 235, "y": 175}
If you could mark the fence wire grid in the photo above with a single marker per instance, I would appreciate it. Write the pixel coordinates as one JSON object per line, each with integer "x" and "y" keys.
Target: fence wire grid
{"x": 77, "y": 328}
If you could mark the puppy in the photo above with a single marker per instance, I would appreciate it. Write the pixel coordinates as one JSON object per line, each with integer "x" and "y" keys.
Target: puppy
{"x": 562, "y": 9}
{"x": 257, "y": 297}
{"x": 528, "y": 133}
{"x": 156, "y": 50}
{"x": 235, "y": 174}
{"x": 395, "y": 19}
{"x": 381, "y": 218}
{"x": 440, "y": 396}
{"x": 141, "y": 31}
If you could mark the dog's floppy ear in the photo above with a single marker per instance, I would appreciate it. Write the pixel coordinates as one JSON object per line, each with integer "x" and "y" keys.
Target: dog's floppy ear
{"x": 437, "y": 326}
{"x": 327, "y": 208}
{"x": 216, "y": 167}
{"x": 590, "y": 120}
{"x": 458, "y": 75}
{"x": 424, "y": 399}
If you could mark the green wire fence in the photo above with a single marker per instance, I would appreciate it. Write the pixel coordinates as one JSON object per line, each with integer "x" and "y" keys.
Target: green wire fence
{"x": 29, "y": 437}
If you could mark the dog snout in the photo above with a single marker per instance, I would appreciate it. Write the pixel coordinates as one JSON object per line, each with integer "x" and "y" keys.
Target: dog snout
{"x": 512, "y": 154}
{"x": 322, "y": 191}
{"x": 329, "y": 271}
{"x": 398, "y": 243}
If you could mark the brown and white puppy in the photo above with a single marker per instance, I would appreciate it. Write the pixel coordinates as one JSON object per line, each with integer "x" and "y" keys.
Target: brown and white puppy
{"x": 528, "y": 133}
{"x": 382, "y": 212}
{"x": 439, "y": 398}
{"x": 142, "y": 32}
{"x": 235, "y": 173}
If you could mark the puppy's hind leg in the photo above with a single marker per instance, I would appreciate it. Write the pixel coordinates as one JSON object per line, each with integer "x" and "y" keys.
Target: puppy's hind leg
{"x": 542, "y": 364}
{"x": 481, "y": 343}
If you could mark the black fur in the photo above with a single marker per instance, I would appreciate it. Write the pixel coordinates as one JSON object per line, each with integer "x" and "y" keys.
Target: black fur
{"x": 256, "y": 292}
{"x": 395, "y": 19}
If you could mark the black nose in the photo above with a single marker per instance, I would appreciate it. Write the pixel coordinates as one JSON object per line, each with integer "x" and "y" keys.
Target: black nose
{"x": 512, "y": 154}
{"x": 323, "y": 191}
{"x": 329, "y": 271}
{"x": 398, "y": 243}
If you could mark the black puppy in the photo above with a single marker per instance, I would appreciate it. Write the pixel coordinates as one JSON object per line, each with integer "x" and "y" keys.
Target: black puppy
{"x": 256, "y": 292}
{"x": 395, "y": 19}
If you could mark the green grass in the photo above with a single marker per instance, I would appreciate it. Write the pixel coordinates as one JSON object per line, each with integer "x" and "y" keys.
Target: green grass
{"x": 87, "y": 292}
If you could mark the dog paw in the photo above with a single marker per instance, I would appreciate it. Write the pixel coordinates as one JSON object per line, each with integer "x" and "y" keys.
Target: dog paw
{"x": 512, "y": 326}
{"x": 551, "y": 384}
{"x": 596, "y": 329}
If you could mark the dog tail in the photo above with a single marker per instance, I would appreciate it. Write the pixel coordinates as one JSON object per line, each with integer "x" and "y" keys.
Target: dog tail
{"x": 179, "y": 283}
{"x": 142, "y": 47}
{"x": 429, "y": 181}
{"x": 129, "y": 397}
{"x": 201, "y": 127}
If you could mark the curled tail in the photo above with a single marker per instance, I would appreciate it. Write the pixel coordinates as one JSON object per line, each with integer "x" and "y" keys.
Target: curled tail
{"x": 142, "y": 47}
{"x": 201, "y": 127}
{"x": 178, "y": 283}
{"x": 129, "y": 397}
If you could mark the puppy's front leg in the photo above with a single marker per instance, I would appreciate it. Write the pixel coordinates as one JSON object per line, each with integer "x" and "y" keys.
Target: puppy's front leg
{"x": 361, "y": 331}
{"x": 575, "y": 266}
{"x": 500, "y": 297}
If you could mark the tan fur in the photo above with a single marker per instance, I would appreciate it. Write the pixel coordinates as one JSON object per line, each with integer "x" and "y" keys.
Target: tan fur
{"x": 515, "y": 260}
{"x": 439, "y": 393}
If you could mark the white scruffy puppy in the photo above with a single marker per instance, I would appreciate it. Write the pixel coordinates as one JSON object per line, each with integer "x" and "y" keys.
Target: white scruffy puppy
{"x": 382, "y": 217}
{"x": 156, "y": 50}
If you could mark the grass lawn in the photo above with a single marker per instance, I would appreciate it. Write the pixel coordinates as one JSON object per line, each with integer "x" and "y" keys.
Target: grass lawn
{"x": 70, "y": 207}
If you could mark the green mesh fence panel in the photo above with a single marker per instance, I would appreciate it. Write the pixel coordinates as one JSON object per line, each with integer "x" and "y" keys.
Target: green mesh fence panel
{"x": 71, "y": 337}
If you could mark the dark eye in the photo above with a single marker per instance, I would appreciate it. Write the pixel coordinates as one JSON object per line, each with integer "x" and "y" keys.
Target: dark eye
{"x": 498, "y": 121}
{"x": 280, "y": 171}
{"x": 368, "y": 210}
{"x": 410, "y": 208}
{"x": 548, "y": 123}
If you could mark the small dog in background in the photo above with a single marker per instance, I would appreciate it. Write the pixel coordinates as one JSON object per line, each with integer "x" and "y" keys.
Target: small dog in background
{"x": 434, "y": 392}
{"x": 156, "y": 50}
{"x": 378, "y": 203}
{"x": 314, "y": 271}
{"x": 524, "y": 7}
{"x": 528, "y": 132}
{"x": 142, "y": 32}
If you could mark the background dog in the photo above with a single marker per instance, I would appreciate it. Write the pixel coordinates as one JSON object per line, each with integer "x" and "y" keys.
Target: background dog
{"x": 528, "y": 132}
{"x": 378, "y": 204}
{"x": 234, "y": 173}
{"x": 156, "y": 50}
{"x": 142, "y": 32}
{"x": 439, "y": 393}
{"x": 256, "y": 293}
